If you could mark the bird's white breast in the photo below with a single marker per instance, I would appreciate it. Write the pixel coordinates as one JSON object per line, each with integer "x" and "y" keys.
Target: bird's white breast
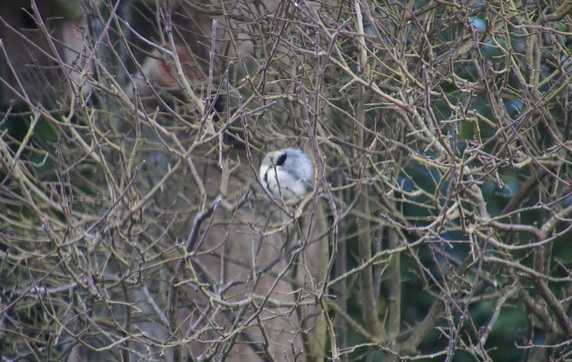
{"x": 283, "y": 185}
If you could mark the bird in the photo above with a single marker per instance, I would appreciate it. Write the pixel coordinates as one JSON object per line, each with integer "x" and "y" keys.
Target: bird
{"x": 287, "y": 175}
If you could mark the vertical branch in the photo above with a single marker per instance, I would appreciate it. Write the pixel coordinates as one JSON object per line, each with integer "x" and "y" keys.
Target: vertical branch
{"x": 368, "y": 298}
{"x": 394, "y": 296}
{"x": 172, "y": 308}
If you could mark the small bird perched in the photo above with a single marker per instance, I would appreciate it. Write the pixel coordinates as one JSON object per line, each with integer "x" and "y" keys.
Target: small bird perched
{"x": 287, "y": 175}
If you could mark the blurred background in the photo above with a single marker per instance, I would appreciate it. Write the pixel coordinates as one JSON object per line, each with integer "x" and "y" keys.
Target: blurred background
{"x": 133, "y": 225}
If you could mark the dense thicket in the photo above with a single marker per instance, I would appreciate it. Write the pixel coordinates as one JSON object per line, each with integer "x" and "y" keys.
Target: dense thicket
{"x": 133, "y": 225}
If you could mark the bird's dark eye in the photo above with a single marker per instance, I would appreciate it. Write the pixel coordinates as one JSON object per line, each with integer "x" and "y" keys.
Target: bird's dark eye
{"x": 281, "y": 160}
